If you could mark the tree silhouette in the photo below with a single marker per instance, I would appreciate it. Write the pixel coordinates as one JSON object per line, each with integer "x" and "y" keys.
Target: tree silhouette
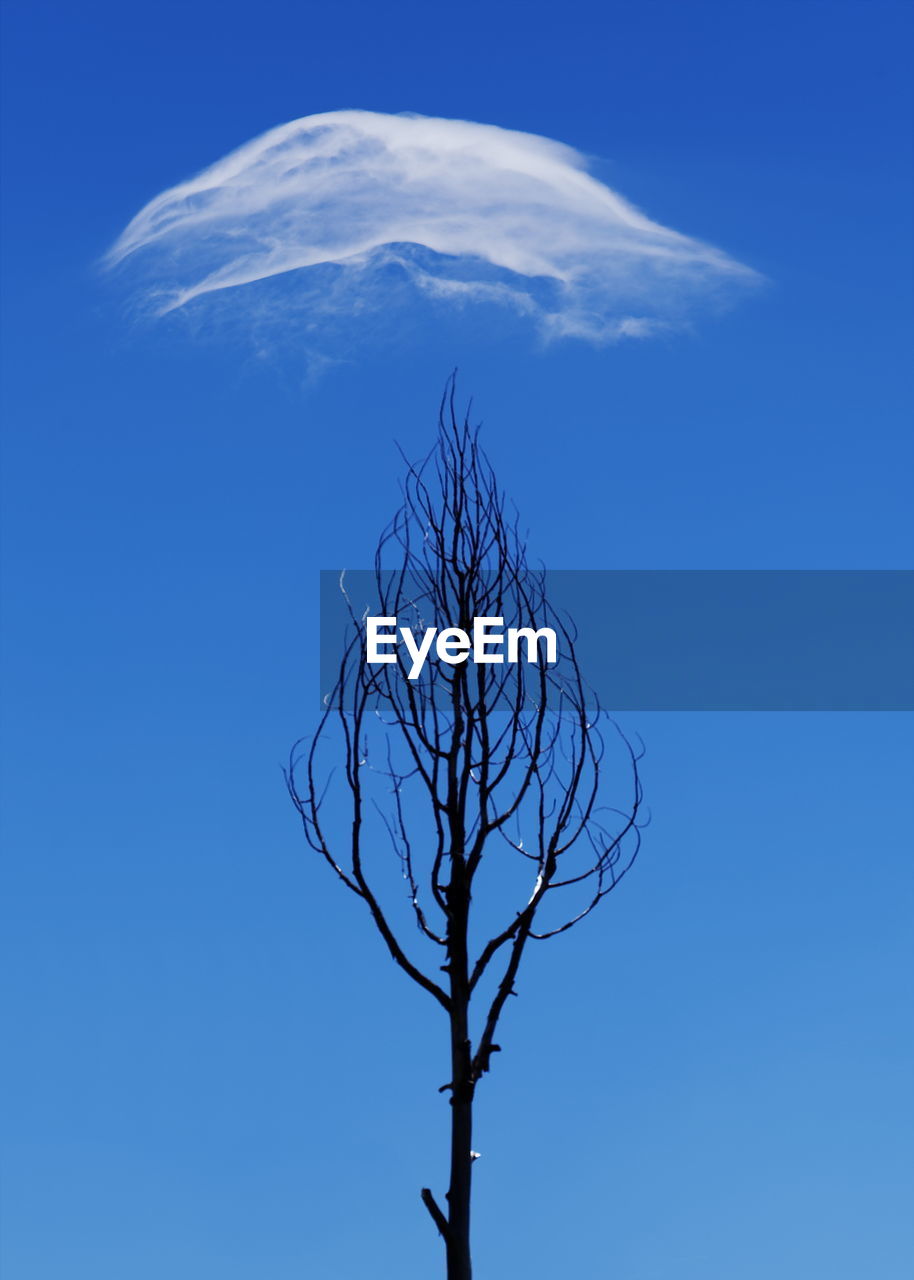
{"x": 484, "y": 778}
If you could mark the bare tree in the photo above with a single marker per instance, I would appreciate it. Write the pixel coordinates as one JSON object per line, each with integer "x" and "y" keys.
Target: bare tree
{"x": 474, "y": 774}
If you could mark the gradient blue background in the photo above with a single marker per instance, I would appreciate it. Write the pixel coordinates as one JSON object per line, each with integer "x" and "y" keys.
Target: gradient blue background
{"x": 211, "y": 1066}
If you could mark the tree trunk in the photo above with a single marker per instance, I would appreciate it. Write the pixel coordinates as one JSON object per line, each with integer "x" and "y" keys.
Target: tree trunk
{"x": 459, "y": 1266}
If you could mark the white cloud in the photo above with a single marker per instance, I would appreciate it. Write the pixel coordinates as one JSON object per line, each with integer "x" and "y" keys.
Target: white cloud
{"x": 468, "y": 212}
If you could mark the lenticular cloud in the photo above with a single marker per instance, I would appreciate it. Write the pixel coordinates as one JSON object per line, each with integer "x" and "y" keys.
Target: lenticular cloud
{"x": 464, "y": 212}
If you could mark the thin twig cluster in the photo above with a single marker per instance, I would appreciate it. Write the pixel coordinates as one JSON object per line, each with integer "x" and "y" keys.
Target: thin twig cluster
{"x": 469, "y": 762}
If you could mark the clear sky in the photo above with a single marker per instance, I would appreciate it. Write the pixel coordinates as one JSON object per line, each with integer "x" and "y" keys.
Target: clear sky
{"x": 211, "y": 1066}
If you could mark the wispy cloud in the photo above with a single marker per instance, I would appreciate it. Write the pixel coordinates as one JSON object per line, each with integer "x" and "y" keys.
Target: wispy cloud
{"x": 467, "y": 212}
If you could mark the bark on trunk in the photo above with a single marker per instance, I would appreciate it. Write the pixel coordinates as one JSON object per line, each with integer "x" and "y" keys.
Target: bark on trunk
{"x": 459, "y": 1266}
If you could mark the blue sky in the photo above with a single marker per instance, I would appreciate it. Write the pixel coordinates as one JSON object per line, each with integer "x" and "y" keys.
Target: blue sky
{"x": 214, "y": 1070}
